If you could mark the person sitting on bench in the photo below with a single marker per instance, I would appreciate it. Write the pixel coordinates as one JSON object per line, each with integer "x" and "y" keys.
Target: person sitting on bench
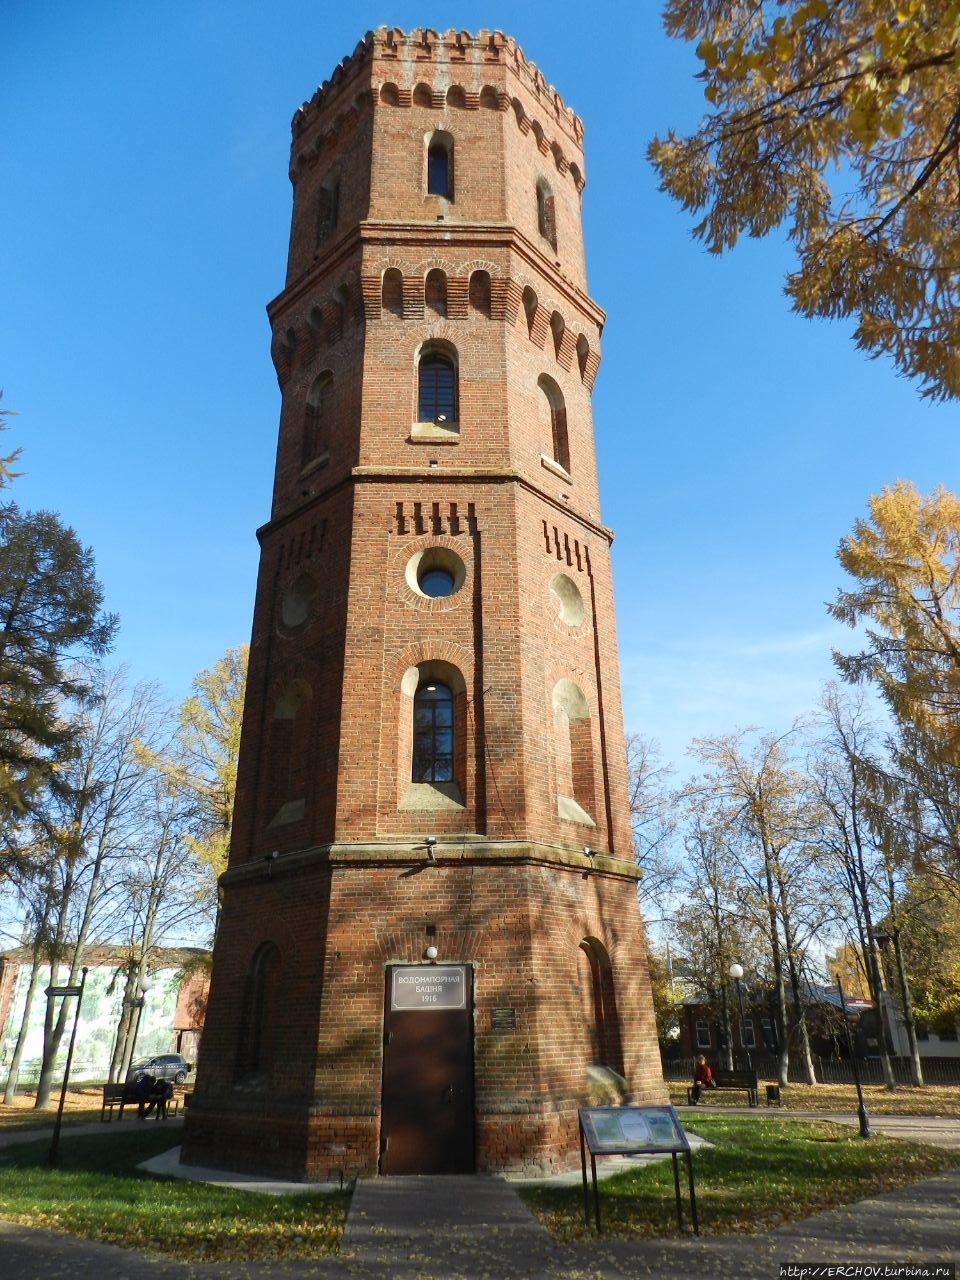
{"x": 702, "y": 1079}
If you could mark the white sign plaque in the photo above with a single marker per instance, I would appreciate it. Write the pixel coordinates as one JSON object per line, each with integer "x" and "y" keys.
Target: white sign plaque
{"x": 429, "y": 986}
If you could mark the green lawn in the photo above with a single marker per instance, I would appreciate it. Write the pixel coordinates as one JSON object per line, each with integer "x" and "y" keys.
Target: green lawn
{"x": 760, "y": 1173}
{"x": 905, "y": 1100}
{"x": 99, "y": 1193}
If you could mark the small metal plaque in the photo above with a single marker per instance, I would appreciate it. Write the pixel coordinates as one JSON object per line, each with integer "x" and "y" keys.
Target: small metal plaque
{"x": 429, "y": 986}
{"x": 503, "y": 1020}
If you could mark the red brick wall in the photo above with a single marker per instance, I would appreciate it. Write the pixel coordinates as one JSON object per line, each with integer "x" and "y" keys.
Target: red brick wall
{"x": 325, "y": 756}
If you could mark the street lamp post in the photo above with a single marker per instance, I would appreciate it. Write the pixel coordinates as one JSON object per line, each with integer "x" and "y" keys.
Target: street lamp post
{"x": 736, "y": 973}
{"x": 143, "y": 985}
{"x": 861, "y": 1109}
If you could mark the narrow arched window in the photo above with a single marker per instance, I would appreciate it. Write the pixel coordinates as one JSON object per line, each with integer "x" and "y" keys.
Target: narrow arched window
{"x": 546, "y": 213}
{"x": 557, "y": 328}
{"x": 480, "y": 293}
{"x": 440, "y": 166}
{"x": 554, "y": 409}
{"x": 255, "y": 1051}
{"x": 583, "y": 350}
{"x": 437, "y": 389}
{"x": 433, "y": 733}
{"x": 316, "y": 435}
{"x": 603, "y": 1020}
{"x": 435, "y": 292}
{"x": 529, "y": 299}
{"x": 329, "y": 208}
{"x": 391, "y": 292}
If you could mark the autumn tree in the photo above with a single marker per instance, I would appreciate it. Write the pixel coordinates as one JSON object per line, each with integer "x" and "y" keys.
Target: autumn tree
{"x": 709, "y": 927}
{"x": 854, "y": 851}
{"x": 89, "y": 825}
{"x": 202, "y": 765}
{"x": 769, "y": 800}
{"x": 51, "y": 615}
{"x": 838, "y": 121}
{"x": 906, "y": 564}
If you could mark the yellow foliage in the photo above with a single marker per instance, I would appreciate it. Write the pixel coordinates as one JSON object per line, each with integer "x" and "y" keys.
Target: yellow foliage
{"x": 826, "y": 89}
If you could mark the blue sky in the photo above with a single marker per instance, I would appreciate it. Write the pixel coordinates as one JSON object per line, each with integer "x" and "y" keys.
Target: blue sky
{"x": 143, "y": 227}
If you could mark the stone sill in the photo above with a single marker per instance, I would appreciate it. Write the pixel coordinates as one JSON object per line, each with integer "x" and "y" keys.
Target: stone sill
{"x": 432, "y": 796}
{"x": 319, "y": 461}
{"x": 570, "y": 811}
{"x": 555, "y": 467}
{"x": 431, "y": 433}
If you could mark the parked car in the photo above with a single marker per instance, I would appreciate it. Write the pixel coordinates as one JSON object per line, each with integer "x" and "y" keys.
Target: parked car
{"x": 165, "y": 1066}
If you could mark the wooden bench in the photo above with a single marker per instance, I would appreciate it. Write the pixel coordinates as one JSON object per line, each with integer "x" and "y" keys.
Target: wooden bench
{"x": 121, "y": 1095}
{"x": 115, "y": 1095}
{"x": 746, "y": 1080}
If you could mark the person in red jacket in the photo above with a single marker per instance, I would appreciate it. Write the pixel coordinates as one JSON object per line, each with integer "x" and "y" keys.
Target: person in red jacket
{"x": 702, "y": 1079}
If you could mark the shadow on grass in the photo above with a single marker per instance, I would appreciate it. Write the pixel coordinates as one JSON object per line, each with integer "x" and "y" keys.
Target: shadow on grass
{"x": 99, "y": 1193}
{"x": 758, "y": 1174}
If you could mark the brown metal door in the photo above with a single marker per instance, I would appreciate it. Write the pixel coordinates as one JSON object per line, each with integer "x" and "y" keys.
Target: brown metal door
{"x": 427, "y": 1119}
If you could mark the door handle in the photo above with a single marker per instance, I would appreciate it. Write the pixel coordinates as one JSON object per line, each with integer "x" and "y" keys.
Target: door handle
{"x": 448, "y": 1094}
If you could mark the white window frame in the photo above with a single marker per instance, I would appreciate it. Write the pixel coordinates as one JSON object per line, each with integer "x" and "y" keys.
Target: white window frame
{"x": 748, "y": 1036}
{"x": 703, "y": 1028}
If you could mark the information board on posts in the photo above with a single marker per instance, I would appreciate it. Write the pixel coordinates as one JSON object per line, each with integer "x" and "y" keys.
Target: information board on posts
{"x": 632, "y": 1130}
{"x": 429, "y": 987}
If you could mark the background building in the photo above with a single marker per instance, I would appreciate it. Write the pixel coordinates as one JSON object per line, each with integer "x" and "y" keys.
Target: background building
{"x": 171, "y": 1021}
{"x": 430, "y": 947}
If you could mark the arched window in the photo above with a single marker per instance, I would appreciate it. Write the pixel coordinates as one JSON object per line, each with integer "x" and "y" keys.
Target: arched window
{"x": 480, "y": 293}
{"x": 288, "y": 764}
{"x": 573, "y": 742}
{"x": 255, "y": 1050}
{"x": 316, "y": 435}
{"x": 440, "y": 165}
{"x": 433, "y": 733}
{"x": 546, "y": 213}
{"x": 529, "y": 299}
{"x": 554, "y": 411}
{"x": 600, "y": 1005}
{"x": 436, "y": 388}
{"x": 329, "y": 207}
{"x": 556, "y": 328}
{"x": 583, "y": 350}
{"x": 435, "y": 292}
{"x": 391, "y": 293}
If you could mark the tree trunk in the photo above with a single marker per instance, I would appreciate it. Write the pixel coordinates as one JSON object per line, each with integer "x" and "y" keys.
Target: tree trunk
{"x": 916, "y": 1068}
{"x": 13, "y": 1075}
{"x": 809, "y": 1072}
{"x": 123, "y": 1027}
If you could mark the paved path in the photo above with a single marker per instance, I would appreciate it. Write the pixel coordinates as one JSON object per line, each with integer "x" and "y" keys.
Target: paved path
{"x": 477, "y": 1228}
{"x": 43, "y": 1133}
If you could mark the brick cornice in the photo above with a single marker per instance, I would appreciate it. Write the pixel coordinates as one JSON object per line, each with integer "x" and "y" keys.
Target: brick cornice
{"x": 452, "y": 851}
{"x": 432, "y": 476}
{"x": 467, "y": 235}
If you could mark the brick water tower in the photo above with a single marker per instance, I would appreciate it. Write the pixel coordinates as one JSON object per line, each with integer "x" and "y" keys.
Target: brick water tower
{"x": 430, "y": 950}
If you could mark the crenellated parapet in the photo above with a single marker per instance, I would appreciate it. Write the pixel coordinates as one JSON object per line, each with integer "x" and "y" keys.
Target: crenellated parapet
{"x": 453, "y": 68}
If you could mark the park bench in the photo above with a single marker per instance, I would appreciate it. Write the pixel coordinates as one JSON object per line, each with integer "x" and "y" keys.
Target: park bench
{"x": 746, "y": 1080}
{"x": 115, "y": 1095}
{"x": 121, "y": 1095}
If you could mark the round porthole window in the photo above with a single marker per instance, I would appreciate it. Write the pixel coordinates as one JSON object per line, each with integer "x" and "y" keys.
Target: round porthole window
{"x": 298, "y": 600}
{"x": 435, "y": 572}
{"x": 567, "y": 596}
